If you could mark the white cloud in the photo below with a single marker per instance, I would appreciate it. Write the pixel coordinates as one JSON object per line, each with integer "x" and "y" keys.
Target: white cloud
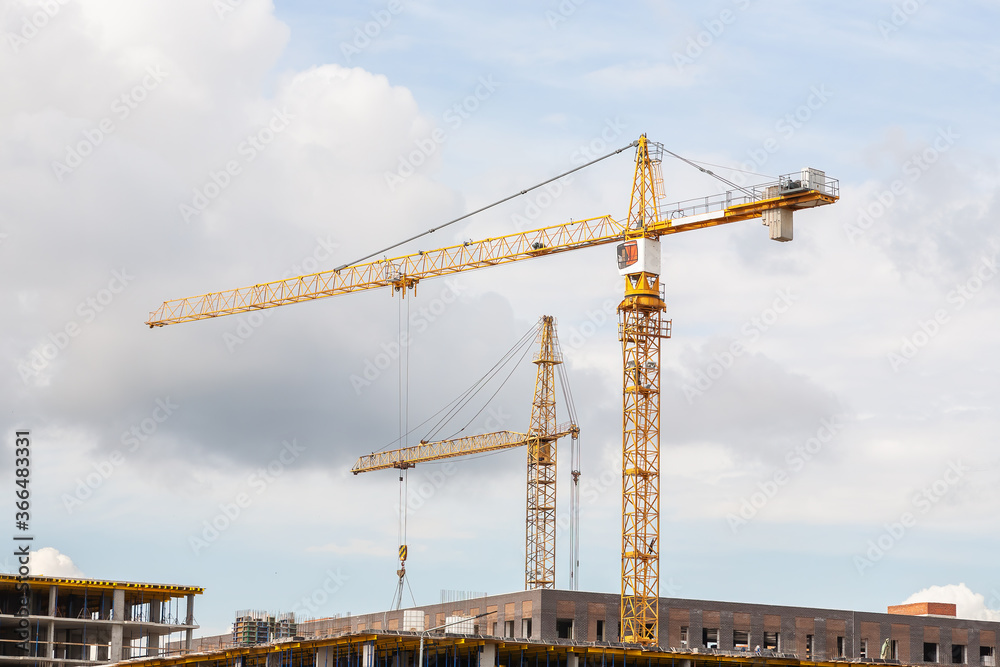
{"x": 968, "y": 604}
{"x": 49, "y": 562}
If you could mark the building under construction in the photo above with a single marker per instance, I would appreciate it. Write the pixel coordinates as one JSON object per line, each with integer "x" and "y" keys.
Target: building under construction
{"x": 568, "y": 628}
{"x": 63, "y": 622}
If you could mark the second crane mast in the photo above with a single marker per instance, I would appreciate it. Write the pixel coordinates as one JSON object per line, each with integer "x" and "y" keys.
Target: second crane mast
{"x": 540, "y": 534}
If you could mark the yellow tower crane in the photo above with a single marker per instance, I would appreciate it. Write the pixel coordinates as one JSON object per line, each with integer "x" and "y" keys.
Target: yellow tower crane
{"x": 541, "y": 438}
{"x": 641, "y": 323}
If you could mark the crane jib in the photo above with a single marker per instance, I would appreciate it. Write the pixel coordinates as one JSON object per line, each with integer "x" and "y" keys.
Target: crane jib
{"x": 473, "y": 255}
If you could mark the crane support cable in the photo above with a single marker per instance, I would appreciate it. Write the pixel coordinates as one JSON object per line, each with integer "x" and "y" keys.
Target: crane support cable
{"x": 567, "y": 394}
{"x": 478, "y": 386}
{"x": 455, "y": 405}
{"x": 513, "y": 368}
{"x": 488, "y": 206}
{"x": 711, "y": 173}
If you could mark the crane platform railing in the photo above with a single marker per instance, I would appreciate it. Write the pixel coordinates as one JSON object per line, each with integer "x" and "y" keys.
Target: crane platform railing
{"x": 787, "y": 184}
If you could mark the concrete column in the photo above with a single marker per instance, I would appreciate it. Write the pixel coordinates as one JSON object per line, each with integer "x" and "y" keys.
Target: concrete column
{"x": 368, "y": 655}
{"x": 972, "y": 648}
{"x": 820, "y": 649}
{"x": 153, "y": 638}
{"x": 488, "y": 656}
{"x": 694, "y": 628}
{"x": 118, "y": 617}
{"x": 944, "y": 646}
{"x": 572, "y": 660}
{"x": 50, "y": 628}
{"x": 189, "y": 620}
{"x": 726, "y": 630}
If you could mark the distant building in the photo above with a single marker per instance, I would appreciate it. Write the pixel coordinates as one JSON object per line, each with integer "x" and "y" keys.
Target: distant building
{"x": 259, "y": 627}
{"x": 87, "y": 622}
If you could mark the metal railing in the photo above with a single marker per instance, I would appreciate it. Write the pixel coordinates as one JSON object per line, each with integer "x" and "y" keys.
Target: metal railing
{"x": 798, "y": 181}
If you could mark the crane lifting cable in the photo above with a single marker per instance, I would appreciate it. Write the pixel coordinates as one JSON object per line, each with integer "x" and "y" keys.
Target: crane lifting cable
{"x": 574, "y": 498}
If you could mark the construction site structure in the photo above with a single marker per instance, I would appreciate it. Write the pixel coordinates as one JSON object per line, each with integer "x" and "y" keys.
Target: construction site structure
{"x": 61, "y": 621}
{"x": 641, "y": 324}
{"x": 554, "y": 628}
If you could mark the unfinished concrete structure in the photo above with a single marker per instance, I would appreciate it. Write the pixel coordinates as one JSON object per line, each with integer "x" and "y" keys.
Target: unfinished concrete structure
{"x": 551, "y": 628}
{"x": 925, "y": 633}
{"x": 569, "y": 626}
{"x": 87, "y": 621}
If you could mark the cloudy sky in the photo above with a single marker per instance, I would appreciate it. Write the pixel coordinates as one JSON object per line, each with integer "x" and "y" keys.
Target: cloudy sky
{"x": 152, "y": 150}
